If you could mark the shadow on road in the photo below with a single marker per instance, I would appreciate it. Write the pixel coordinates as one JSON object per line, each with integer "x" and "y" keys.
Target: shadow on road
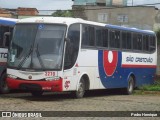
{"x": 50, "y": 96}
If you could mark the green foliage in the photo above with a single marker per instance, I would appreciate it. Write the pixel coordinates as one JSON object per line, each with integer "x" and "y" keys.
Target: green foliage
{"x": 150, "y": 88}
{"x": 158, "y": 36}
{"x": 63, "y": 13}
{"x": 154, "y": 87}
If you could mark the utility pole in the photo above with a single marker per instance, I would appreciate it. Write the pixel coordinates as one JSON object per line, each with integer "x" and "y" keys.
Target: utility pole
{"x": 132, "y": 2}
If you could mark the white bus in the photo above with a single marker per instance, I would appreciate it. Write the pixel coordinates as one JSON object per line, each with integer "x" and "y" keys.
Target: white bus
{"x": 69, "y": 54}
{"x": 6, "y": 28}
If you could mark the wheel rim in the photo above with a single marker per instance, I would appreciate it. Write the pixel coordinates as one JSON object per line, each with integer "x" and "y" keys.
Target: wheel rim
{"x": 130, "y": 89}
{"x": 81, "y": 89}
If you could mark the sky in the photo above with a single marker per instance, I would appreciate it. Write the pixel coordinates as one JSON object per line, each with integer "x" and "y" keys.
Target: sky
{"x": 39, "y": 4}
{"x": 56, "y": 4}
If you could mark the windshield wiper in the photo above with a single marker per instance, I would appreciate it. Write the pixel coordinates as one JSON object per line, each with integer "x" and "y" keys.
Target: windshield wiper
{"x": 27, "y": 55}
{"x": 39, "y": 58}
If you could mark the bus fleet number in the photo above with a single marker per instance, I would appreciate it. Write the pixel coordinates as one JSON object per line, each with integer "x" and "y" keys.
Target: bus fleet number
{"x": 48, "y": 73}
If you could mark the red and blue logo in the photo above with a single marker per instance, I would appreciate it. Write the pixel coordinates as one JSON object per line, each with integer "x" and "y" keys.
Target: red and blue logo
{"x": 109, "y": 65}
{"x": 110, "y": 60}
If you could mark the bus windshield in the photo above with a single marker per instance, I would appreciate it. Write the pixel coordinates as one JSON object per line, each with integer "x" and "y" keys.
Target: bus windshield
{"x": 37, "y": 46}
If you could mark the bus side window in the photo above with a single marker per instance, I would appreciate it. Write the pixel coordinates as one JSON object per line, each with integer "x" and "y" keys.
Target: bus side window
{"x": 6, "y": 39}
{"x": 152, "y": 44}
{"x": 101, "y": 37}
{"x": 72, "y": 47}
{"x": 145, "y": 43}
{"x": 114, "y": 39}
{"x": 88, "y": 36}
{"x": 137, "y": 41}
{"x": 105, "y": 37}
{"x": 124, "y": 40}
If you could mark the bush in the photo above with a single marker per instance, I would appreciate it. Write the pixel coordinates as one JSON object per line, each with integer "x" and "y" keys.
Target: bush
{"x": 154, "y": 87}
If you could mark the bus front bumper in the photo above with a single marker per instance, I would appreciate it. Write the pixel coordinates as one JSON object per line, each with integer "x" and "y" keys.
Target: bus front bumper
{"x": 55, "y": 85}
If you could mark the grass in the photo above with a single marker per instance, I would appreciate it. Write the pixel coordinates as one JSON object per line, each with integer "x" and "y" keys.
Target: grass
{"x": 149, "y": 89}
{"x": 154, "y": 87}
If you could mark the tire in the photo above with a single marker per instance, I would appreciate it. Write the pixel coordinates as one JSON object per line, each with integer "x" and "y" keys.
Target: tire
{"x": 3, "y": 84}
{"x": 37, "y": 93}
{"x": 130, "y": 88}
{"x": 81, "y": 89}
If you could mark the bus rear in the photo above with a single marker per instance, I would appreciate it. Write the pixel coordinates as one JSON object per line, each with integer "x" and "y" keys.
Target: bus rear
{"x": 6, "y": 28}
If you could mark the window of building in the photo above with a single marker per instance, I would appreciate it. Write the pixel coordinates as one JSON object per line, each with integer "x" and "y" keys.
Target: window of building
{"x": 122, "y": 18}
{"x": 102, "y": 17}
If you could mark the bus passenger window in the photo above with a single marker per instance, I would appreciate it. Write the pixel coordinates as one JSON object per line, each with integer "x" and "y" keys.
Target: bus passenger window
{"x": 137, "y": 41}
{"x": 6, "y": 39}
{"x": 152, "y": 45}
{"x": 101, "y": 37}
{"x": 145, "y": 43}
{"x": 114, "y": 39}
{"x": 88, "y": 36}
{"x": 105, "y": 37}
{"x": 124, "y": 40}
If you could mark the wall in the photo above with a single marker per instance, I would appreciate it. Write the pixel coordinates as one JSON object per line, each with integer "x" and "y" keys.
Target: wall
{"x": 139, "y": 17}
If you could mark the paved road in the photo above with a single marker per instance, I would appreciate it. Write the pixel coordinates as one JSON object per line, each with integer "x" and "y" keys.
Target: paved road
{"x": 93, "y": 101}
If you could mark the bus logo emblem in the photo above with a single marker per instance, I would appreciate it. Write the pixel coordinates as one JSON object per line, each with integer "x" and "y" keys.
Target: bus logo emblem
{"x": 110, "y": 60}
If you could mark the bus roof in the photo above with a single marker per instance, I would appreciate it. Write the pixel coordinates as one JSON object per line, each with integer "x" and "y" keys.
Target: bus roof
{"x": 8, "y": 21}
{"x": 60, "y": 20}
{"x": 130, "y": 29}
{"x": 69, "y": 20}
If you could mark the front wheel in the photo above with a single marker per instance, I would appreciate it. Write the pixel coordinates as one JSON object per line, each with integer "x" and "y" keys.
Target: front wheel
{"x": 130, "y": 88}
{"x": 3, "y": 84}
{"x": 81, "y": 89}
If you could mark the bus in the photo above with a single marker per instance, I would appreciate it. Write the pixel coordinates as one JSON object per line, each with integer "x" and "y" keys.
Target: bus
{"x": 6, "y": 28}
{"x": 59, "y": 54}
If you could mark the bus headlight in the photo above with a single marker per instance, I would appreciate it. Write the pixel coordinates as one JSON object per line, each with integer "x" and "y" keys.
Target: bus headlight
{"x": 12, "y": 76}
{"x": 52, "y": 78}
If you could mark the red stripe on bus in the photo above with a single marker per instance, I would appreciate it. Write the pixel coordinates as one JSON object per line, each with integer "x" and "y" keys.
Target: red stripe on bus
{"x": 138, "y": 66}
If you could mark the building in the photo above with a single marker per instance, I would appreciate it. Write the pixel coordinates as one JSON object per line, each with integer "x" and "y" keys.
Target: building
{"x": 6, "y": 13}
{"x": 101, "y": 2}
{"x": 116, "y": 2}
{"x": 27, "y": 11}
{"x": 142, "y": 17}
{"x": 19, "y": 12}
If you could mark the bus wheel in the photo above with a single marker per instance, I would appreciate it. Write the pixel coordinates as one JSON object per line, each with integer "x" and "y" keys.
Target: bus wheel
{"x": 37, "y": 93}
{"x": 81, "y": 89}
{"x": 130, "y": 88}
{"x": 3, "y": 84}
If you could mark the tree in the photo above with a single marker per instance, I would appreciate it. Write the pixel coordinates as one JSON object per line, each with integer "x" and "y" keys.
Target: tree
{"x": 158, "y": 36}
{"x": 63, "y": 13}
